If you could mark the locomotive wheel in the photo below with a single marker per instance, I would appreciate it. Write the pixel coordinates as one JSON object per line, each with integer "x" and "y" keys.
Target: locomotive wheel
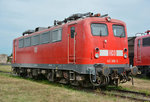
{"x": 23, "y": 75}
{"x": 14, "y": 70}
{"x": 108, "y": 80}
{"x": 18, "y": 71}
{"x": 116, "y": 82}
{"x": 85, "y": 84}
{"x": 64, "y": 81}
{"x": 98, "y": 80}
{"x": 50, "y": 76}
{"x": 22, "y": 72}
{"x": 30, "y": 75}
{"x": 35, "y": 77}
{"x": 74, "y": 83}
{"x": 66, "y": 75}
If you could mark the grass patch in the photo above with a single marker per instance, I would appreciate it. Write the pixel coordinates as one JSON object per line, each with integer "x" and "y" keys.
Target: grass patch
{"x": 117, "y": 88}
{"x": 144, "y": 78}
{"x": 5, "y": 68}
{"x": 17, "y": 89}
{"x": 140, "y": 85}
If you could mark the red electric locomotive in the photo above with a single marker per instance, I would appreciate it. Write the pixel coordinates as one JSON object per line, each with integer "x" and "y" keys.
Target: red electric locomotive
{"x": 83, "y": 49}
{"x": 142, "y": 54}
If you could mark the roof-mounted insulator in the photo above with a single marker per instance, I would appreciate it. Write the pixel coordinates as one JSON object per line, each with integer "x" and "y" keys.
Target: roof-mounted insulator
{"x": 28, "y": 32}
{"x": 148, "y": 31}
{"x": 105, "y": 15}
{"x": 108, "y": 18}
{"x": 78, "y": 16}
{"x": 55, "y": 22}
{"x": 73, "y": 17}
{"x": 97, "y": 15}
{"x": 139, "y": 34}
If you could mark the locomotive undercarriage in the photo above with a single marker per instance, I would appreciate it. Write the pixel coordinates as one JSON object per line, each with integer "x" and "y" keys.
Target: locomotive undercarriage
{"x": 145, "y": 71}
{"x": 74, "y": 78}
{"x": 114, "y": 78}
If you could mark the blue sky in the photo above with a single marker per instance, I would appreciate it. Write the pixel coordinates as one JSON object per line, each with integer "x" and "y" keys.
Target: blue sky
{"x": 16, "y": 16}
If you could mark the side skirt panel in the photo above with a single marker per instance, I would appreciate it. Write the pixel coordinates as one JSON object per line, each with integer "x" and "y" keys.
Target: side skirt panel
{"x": 79, "y": 68}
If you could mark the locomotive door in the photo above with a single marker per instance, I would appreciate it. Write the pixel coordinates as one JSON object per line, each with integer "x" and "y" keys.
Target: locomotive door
{"x": 139, "y": 50}
{"x": 71, "y": 43}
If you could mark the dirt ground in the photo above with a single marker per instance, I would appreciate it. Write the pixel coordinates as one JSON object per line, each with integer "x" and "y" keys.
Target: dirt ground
{"x": 141, "y": 85}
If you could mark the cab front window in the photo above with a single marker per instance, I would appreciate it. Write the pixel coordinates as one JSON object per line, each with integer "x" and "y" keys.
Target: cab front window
{"x": 118, "y": 30}
{"x": 99, "y": 29}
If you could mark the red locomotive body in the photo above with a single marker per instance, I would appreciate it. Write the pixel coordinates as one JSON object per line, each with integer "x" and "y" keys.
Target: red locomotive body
{"x": 85, "y": 49}
{"x": 142, "y": 54}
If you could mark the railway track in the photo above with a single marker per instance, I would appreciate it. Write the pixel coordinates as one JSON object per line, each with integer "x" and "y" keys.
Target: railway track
{"x": 5, "y": 72}
{"x": 133, "y": 92}
{"x": 131, "y": 95}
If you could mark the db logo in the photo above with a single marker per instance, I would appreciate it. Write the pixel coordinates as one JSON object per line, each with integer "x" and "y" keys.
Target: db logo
{"x": 112, "y": 52}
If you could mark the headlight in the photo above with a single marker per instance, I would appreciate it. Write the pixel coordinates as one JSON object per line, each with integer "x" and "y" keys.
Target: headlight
{"x": 125, "y": 55}
{"x": 97, "y": 55}
{"x": 125, "y": 49}
{"x": 96, "y": 49}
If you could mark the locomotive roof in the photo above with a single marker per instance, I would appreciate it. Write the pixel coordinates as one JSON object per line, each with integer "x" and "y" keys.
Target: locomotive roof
{"x": 87, "y": 20}
{"x": 144, "y": 36}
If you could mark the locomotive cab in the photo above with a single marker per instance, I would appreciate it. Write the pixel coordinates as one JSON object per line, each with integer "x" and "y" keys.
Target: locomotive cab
{"x": 101, "y": 47}
{"x": 110, "y": 49}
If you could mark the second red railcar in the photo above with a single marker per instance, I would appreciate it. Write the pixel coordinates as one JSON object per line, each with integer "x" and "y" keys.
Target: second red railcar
{"x": 142, "y": 53}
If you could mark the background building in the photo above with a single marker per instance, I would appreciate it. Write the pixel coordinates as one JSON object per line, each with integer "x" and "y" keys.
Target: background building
{"x": 3, "y": 58}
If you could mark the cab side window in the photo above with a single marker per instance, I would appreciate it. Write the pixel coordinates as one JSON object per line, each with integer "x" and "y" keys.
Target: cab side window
{"x": 45, "y": 38}
{"x": 72, "y": 30}
{"x": 35, "y": 40}
{"x": 27, "y": 42}
{"x": 146, "y": 41}
{"x": 57, "y": 35}
{"x": 21, "y": 43}
{"x": 139, "y": 43}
